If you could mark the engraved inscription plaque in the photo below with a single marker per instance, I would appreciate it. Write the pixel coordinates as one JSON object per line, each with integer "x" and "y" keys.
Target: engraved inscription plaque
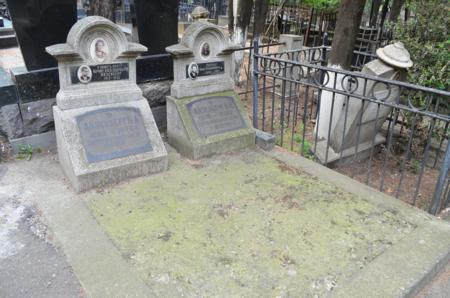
{"x": 113, "y": 133}
{"x": 215, "y": 115}
{"x": 207, "y": 69}
{"x": 100, "y": 72}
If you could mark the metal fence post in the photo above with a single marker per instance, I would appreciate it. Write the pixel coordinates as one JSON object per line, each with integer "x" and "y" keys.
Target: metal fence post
{"x": 255, "y": 82}
{"x": 324, "y": 49}
{"x": 441, "y": 181}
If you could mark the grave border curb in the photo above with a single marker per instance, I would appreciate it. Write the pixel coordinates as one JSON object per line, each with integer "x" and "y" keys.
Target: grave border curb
{"x": 399, "y": 255}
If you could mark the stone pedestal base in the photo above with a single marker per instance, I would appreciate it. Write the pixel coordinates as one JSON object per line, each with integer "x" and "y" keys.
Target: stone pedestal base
{"x": 210, "y": 124}
{"x": 91, "y": 159}
{"x": 364, "y": 150}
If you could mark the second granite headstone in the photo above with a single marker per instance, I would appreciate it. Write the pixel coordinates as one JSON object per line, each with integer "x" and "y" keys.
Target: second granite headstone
{"x": 204, "y": 113}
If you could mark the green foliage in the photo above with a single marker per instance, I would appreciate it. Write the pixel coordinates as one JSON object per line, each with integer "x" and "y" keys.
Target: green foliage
{"x": 26, "y": 152}
{"x": 426, "y": 36}
{"x": 304, "y": 146}
{"x": 318, "y": 4}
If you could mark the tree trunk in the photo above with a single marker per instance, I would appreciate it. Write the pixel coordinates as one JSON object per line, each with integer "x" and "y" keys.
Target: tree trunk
{"x": 230, "y": 18}
{"x": 384, "y": 11}
{"x": 374, "y": 13}
{"x": 395, "y": 10}
{"x": 104, "y": 8}
{"x": 239, "y": 37}
{"x": 261, "y": 8}
{"x": 244, "y": 14}
{"x": 347, "y": 28}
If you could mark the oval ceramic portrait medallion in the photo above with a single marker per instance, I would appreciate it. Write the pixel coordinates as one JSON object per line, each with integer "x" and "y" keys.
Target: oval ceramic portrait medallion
{"x": 193, "y": 71}
{"x": 205, "y": 50}
{"x": 84, "y": 74}
{"x": 99, "y": 50}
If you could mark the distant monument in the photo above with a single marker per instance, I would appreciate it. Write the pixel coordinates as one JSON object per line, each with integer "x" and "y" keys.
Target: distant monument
{"x": 104, "y": 127}
{"x": 204, "y": 114}
{"x": 358, "y": 131}
{"x": 200, "y": 13}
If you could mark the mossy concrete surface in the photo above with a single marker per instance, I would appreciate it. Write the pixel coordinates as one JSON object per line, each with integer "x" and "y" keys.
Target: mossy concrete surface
{"x": 248, "y": 225}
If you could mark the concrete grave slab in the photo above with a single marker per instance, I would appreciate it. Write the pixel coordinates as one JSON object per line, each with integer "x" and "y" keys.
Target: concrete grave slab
{"x": 251, "y": 224}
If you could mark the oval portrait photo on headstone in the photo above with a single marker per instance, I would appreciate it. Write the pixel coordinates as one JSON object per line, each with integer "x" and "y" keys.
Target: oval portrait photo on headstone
{"x": 84, "y": 74}
{"x": 99, "y": 50}
{"x": 193, "y": 70}
{"x": 205, "y": 50}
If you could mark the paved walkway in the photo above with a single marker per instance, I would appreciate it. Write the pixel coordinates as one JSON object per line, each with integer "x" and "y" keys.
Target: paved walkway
{"x": 439, "y": 286}
{"x": 30, "y": 266}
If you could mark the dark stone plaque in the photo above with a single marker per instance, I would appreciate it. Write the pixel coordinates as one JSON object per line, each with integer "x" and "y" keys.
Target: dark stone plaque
{"x": 37, "y": 84}
{"x": 113, "y": 133}
{"x": 8, "y": 92}
{"x": 156, "y": 67}
{"x": 208, "y": 69}
{"x": 99, "y": 73}
{"x": 215, "y": 115}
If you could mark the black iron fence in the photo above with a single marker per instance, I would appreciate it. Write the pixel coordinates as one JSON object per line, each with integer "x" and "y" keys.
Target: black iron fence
{"x": 245, "y": 68}
{"x": 318, "y": 56}
{"x": 388, "y": 134}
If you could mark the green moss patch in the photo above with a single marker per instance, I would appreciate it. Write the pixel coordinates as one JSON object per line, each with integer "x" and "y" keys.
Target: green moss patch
{"x": 243, "y": 225}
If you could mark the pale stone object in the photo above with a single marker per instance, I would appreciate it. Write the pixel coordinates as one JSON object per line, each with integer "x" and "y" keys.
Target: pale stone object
{"x": 357, "y": 125}
{"x": 105, "y": 130}
{"x": 204, "y": 113}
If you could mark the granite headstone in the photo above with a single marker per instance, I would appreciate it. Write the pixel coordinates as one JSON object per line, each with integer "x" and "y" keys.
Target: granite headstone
{"x": 204, "y": 113}
{"x": 105, "y": 129}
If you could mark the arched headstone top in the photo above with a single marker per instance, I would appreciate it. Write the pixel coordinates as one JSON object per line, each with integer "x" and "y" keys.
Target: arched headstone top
{"x": 95, "y": 59}
{"x": 96, "y": 40}
{"x": 202, "y": 40}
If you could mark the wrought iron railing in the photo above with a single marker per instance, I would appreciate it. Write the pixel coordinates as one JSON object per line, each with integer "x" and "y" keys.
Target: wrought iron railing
{"x": 391, "y": 135}
{"x": 318, "y": 56}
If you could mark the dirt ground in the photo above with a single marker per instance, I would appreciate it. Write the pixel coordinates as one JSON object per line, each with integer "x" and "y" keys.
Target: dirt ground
{"x": 381, "y": 176}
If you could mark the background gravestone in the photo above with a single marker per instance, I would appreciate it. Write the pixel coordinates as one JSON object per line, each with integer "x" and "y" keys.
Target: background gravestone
{"x": 204, "y": 113}
{"x": 367, "y": 120}
{"x": 157, "y": 24}
{"x": 105, "y": 129}
{"x": 357, "y": 128}
{"x": 39, "y": 24}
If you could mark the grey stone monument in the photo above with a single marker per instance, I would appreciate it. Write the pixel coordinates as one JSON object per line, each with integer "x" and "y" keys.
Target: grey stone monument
{"x": 290, "y": 43}
{"x": 359, "y": 131}
{"x": 204, "y": 113}
{"x": 105, "y": 129}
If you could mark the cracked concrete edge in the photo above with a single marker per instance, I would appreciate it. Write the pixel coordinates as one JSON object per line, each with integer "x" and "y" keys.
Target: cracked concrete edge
{"x": 408, "y": 265}
{"x": 96, "y": 262}
{"x": 404, "y": 269}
